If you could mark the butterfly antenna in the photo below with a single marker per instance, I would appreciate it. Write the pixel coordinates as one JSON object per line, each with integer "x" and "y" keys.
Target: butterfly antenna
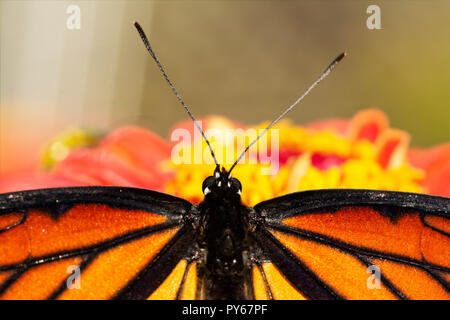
{"x": 161, "y": 68}
{"x": 322, "y": 76}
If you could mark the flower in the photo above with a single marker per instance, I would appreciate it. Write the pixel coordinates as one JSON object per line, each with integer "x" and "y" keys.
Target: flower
{"x": 129, "y": 156}
{"x": 361, "y": 152}
{"x": 435, "y": 162}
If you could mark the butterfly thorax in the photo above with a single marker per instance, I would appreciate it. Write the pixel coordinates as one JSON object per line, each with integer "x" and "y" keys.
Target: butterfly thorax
{"x": 225, "y": 273}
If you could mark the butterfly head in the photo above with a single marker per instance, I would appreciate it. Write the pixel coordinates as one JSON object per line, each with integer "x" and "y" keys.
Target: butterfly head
{"x": 221, "y": 182}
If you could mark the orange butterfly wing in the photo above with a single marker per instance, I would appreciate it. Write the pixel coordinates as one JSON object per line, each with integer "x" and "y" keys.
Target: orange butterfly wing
{"x": 181, "y": 284}
{"x": 133, "y": 244}
{"x": 357, "y": 244}
{"x": 89, "y": 243}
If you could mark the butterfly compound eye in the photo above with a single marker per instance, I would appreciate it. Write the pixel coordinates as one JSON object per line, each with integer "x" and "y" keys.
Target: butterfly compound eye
{"x": 236, "y": 184}
{"x": 207, "y": 184}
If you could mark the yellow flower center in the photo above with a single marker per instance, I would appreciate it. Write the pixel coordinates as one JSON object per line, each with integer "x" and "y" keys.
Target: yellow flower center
{"x": 310, "y": 159}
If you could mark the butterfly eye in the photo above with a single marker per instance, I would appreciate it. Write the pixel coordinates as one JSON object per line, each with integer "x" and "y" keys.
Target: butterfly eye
{"x": 236, "y": 184}
{"x": 207, "y": 184}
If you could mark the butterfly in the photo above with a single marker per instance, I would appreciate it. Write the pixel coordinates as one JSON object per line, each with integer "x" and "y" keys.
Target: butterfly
{"x": 129, "y": 243}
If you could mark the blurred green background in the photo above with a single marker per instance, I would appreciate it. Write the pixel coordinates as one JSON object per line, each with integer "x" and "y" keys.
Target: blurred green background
{"x": 246, "y": 60}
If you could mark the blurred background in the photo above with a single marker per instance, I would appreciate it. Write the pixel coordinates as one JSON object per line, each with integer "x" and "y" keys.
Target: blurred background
{"x": 246, "y": 60}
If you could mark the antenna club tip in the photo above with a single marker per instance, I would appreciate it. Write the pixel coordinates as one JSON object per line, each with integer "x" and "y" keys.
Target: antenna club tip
{"x": 341, "y": 56}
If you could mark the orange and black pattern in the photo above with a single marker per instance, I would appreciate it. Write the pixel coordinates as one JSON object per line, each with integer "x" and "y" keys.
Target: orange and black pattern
{"x": 356, "y": 244}
{"x": 113, "y": 237}
{"x": 130, "y": 243}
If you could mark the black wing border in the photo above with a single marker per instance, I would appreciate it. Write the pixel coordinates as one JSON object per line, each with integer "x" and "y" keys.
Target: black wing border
{"x": 293, "y": 204}
{"x": 62, "y": 199}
